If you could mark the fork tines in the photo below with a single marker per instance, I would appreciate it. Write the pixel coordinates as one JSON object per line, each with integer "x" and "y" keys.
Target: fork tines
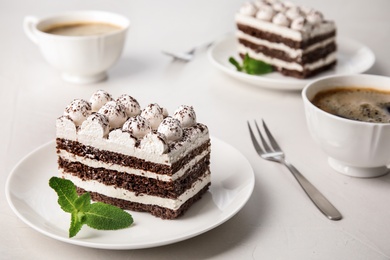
{"x": 270, "y": 148}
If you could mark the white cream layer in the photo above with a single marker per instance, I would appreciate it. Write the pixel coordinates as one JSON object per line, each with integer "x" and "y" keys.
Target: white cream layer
{"x": 119, "y": 193}
{"x": 287, "y": 65}
{"x": 116, "y": 167}
{"x": 68, "y": 131}
{"x": 291, "y": 52}
{"x": 283, "y": 31}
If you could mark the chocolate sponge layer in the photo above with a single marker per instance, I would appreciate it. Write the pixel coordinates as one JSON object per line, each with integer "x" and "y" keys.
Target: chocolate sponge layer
{"x": 272, "y": 37}
{"x": 109, "y": 157}
{"x": 308, "y": 57}
{"x": 157, "y": 211}
{"x": 137, "y": 184}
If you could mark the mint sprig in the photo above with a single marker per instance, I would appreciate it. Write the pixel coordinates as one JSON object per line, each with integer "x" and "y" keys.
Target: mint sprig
{"x": 97, "y": 215}
{"x": 251, "y": 66}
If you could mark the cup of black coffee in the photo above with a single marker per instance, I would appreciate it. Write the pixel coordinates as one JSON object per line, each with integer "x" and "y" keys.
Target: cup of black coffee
{"x": 349, "y": 117}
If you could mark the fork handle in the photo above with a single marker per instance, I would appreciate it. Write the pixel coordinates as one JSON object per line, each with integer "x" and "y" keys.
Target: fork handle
{"x": 315, "y": 195}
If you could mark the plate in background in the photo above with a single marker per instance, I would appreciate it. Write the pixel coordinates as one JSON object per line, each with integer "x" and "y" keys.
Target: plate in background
{"x": 352, "y": 58}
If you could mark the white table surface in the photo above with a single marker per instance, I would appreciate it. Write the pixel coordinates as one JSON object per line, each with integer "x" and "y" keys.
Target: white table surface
{"x": 279, "y": 221}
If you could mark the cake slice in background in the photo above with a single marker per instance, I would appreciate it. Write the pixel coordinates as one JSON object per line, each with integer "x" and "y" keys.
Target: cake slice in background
{"x": 295, "y": 40}
{"x": 136, "y": 159}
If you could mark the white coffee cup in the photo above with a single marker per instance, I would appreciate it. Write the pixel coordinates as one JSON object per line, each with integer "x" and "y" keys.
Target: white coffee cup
{"x": 80, "y": 59}
{"x": 355, "y": 148}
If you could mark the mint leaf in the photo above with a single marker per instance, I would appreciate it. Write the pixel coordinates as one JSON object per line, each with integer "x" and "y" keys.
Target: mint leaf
{"x": 108, "y": 217}
{"x": 78, "y": 217}
{"x": 66, "y": 192}
{"x": 77, "y": 220}
{"x": 255, "y": 67}
{"x": 251, "y": 66}
{"x": 96, "y": 215}
{"x": 82, "y": 202}
{"x": 235, "y": 63}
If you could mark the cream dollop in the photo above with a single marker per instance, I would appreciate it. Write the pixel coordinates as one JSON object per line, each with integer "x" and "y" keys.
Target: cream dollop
{"x": 99, "y": 99}
{"x": 96, "y": 125}
{"x": 115, "y": 113}
{"x": 260, "y": 3}
{"x": 65, "y": 127}
{"x": 154, "y": 143}
{"x": 171, "y": 128}
{"x": 289, "y": 4}
{"x": 300, "y": 24}
{"x": 281, "y": 19}
{"x": 314, "y": 17}
{"x": 186, "y": 115}
{"x": 293, "y": 13}
{"x": 122, "y": 138}
{"x": 165, "y": 112}
{"x": 78, "y": 110}
{"x": 266, "y": 13}
{"x": 306, "y": 9}
{"x": 248, "y": 9}
{"x": 130, "y": 104}
{"x": 154, "y": 114}
{"x": 138, "y": 126}
{"x": 279, "y": 7}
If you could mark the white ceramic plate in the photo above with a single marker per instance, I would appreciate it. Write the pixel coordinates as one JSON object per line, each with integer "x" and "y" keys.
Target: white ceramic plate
{"x": 352, "y": 57}
{"x": 34, "y": 202}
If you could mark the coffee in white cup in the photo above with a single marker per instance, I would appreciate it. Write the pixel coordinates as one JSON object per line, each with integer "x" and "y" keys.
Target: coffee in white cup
{"x": 354, "y": 147}
{"x": 83, "y": 29}
{"x": 82, "y": 45}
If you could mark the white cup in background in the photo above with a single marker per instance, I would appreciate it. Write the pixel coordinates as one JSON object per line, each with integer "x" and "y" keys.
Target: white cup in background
{"x": 80, "y": 59}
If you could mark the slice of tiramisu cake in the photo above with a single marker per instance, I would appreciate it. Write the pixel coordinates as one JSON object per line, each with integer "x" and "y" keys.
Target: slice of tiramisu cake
{"x": 137, "y": 159}
{"x": 295, "y": 40}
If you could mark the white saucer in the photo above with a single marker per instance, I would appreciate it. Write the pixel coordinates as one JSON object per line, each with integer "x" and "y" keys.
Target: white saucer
{"x": 352, "y": 58}
{"x": 34, "y": 202}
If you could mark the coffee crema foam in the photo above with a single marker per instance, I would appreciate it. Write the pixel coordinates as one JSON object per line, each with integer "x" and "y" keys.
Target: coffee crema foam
{"x": 360, "y": 104}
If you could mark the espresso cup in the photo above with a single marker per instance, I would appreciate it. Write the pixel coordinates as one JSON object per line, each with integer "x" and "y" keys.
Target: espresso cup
{"x": 354, "y": 148}
{"x": 80, "y": 59}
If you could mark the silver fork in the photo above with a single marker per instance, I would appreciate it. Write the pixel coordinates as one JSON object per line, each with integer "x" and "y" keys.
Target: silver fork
{"x": 273, "y": 152}
{"x": 188, "y": 55}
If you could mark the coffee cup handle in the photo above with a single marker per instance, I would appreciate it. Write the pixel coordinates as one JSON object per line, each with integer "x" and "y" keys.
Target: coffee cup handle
{"x": 28, "y": 26}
